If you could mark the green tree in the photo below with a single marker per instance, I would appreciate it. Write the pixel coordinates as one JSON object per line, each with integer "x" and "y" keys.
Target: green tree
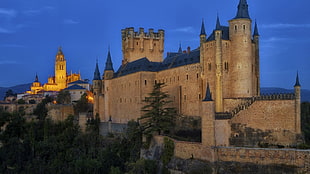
{"x": 9, "y": 93}
{"x": 41, "y": 111}
{"x": 158, "y": 117}
{"x": 93, "y": 124}
{"x": 21, "y": 101}
{"x": 82, "y": 104}
{"x": 63, "y": 97}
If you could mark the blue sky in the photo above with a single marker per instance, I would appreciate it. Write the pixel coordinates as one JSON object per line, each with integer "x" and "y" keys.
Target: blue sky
{"x": 32, "y": 30}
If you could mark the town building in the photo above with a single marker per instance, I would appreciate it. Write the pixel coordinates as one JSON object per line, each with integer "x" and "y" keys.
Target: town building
{"x": 59, "y": 81}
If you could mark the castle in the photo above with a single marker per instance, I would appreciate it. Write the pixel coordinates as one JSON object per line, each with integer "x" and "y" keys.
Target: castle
{"x": 57, "y": 82}
{"x": 219, "y": 81}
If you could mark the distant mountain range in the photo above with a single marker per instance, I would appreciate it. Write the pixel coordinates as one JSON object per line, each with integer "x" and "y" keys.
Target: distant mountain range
{"x": 16, "y": 89}
{"x": 305, "y": 93}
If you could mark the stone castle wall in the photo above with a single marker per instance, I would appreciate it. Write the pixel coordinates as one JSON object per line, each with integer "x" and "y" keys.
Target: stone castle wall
{"x": 268, "y": 114}
{"x": 125, "y": 94}
{"x": 59, "y": 112}
{"x": 295, "y": 158}
{"x": 259, "y": 156}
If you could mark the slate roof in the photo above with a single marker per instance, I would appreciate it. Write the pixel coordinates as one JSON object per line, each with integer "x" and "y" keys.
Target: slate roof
{"x": 255, "y": 30}
{"x": 74, "y": 87}
{"x": 143, "y": 64}
{"x": 225, "y": 34}
{"x": 97, "y": 73}
{"x": 297, "y": 81}
{"x": 243, "y": 11}
{"x": 108, "y": 63}
{"x": 79, "y": 82}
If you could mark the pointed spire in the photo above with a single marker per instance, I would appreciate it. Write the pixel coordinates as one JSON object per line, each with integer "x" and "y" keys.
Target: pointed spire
{"x": 59, "y": 51}
{"x": 297, "y": 84}
{"x": 218, "y": 24}
{"x": 36, "y": 78}
{"x": 180, "y": 48}
{"x": 255, "y": 30}
{"x": 208, "y": 94}
{"x": 243, "y": 11}
{"x": 202, "y": 31}
{"x": 108, "y": 63}
{"x": 97, "y": 73}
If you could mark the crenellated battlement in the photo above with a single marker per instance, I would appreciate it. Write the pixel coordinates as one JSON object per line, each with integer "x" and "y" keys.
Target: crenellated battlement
{"x": 140, "y": 44}
{"x": 130, "y": 33}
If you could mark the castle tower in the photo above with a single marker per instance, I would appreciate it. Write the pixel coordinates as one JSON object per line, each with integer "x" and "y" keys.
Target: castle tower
{"x": 60, "y": 70}
{"x": 219, "y": 67}
{"x": 108, "y": 70}
{"x": 207, "y": 119}
{"x": 97, "y": 83}
{"x": 256, "y": 77}
{"x": 202, "y": 41}
{"x": 241, "y": 53}
{"x": 136, "y": 45}
{"x": 297, "y": 105}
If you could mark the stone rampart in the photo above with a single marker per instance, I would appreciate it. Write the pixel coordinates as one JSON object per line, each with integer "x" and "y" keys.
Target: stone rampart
{"x": 264, "y": 156}
{"x": 299, "y": 159}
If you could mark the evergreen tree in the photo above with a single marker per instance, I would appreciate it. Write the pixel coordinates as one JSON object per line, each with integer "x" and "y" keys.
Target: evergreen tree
{"x": 157, "y": 117}
{"x": 63, "y": 97}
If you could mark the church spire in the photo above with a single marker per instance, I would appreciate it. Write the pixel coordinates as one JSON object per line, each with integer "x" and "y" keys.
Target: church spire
{"x": 59, "y": 51}
{"x": 218, "y": 24}
{"x": 243, "y": 11}
{"x": 208, "y": 94}
{"x": 202, "y": 31}
{"x": 255, "y": 30}
{"x": 36, "y": 78}
{"x": 297, "y": 84}
{"x": 108, "y": 63}
{"x": 180, "y": 49}
{"x": 97, "y": 73}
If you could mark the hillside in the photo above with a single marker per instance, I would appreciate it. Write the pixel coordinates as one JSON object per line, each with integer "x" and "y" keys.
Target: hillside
{"x": 305, "y": 93}
{"x": 16, "y": 89}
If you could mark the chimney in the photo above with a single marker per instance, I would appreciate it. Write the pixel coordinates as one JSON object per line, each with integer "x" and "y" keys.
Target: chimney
{"x": 188, "y": 50}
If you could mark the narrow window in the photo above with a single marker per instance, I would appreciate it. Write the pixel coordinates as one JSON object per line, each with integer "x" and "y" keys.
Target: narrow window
{"x": 236, "y": 27}
{"x": 226, "y": 66}
{"x": 186, "y": 77}
{"x": 145, "y": 82}
{"x": 209, "y": 66}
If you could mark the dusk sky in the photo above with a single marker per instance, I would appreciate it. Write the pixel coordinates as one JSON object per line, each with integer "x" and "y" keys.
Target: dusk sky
{"x": 32, "y": 30}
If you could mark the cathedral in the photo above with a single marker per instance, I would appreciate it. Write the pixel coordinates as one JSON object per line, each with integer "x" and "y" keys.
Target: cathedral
{"x": 219, "y": 81}
{"x": 57, "y": 82}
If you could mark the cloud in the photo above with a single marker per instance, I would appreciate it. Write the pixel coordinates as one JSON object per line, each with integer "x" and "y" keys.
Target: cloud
{"x": 12, "y": 45}
{"x": 5, "y": 31}
{"x": 284, "y": 26}
{"x": 188, "y": 29}
{"x": 11, "y": 29}
{"x": 8, "y": 12}
{"x": 6, "y": 62}
{"x": 70, "y": 21}
{"x": 35, "y": 12}
{"x": 275, "y": 39}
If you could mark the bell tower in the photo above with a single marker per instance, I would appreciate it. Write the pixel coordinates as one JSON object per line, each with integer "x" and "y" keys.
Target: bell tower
{"x": 60, "y": 70}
